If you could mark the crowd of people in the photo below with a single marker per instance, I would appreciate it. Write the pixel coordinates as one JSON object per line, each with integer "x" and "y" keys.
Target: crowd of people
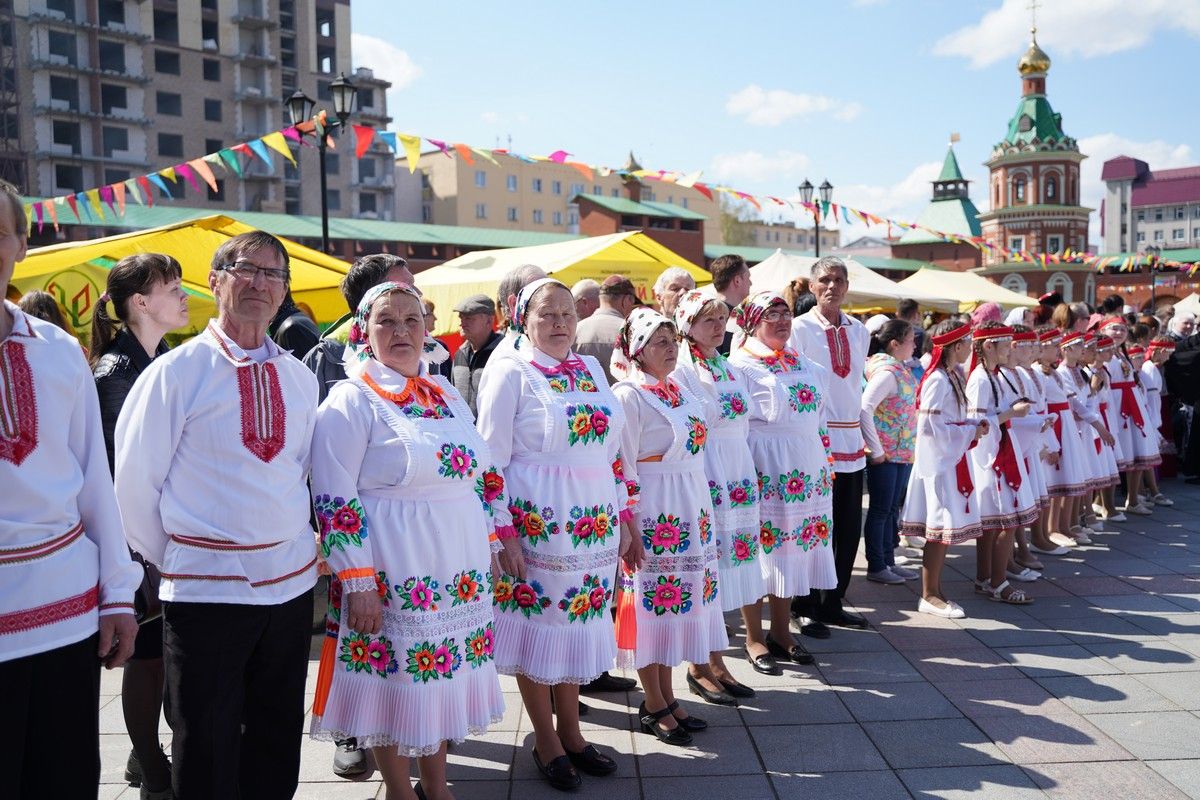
{"x": 595, "y": 486}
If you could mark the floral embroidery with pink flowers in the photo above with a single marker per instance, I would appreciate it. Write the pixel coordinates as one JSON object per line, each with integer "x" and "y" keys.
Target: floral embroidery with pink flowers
{"x": 341, "y": 522}
{"x": 815, "y": 532}
{"x": 457, "y": 461}
{"x": 710, "y": 587}
{"x": 714, "y": 492}
{"x": 430, "y": 662}
{"x": 419, "y": 594}
{"x": 733, "y": 404}
{"x": 537, "y": 525}
{"x": 590, "y": 525}
{"x": 769, "y": 536}
{"x": 796, "y": 486}
{"x": 489, "y": 486}
{"x": 742, "y": 493}
{"x": 668, "y": 595}
{"x": 697, "y": 435}
{"x": 586, "y": 601}
{"x": 587, "y": 423}
{"x": 745, "y": 548}
{"x": 509, "y": 594}
{"x": 667, "y": 534}
{"x": 803, "y": 398}
{"x": 361, "y": 652}
{"x": 481, "y": 646}
{"x": 766, "y": 489}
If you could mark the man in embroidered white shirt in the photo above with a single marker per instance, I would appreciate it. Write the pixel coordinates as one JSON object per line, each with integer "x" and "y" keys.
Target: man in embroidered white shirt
{"x": 839, "y": 343}
{"x": 212, "y": 456}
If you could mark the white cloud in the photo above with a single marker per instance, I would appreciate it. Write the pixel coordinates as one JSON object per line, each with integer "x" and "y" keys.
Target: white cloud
{"x": 752, "y": 166}
{"x": 388, "y": 62}
{"x": 771, "y": 107}
{"x": 1086, "y": 28}
{"x": 1101, "y": 147}
{"x": 490, "y": 117}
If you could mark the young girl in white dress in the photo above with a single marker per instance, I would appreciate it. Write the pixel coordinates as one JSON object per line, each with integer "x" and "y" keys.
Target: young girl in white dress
{"x": 1130, "y": 421}
{"x": 1029, "y": 433}
{"x": 1157, "y": 353}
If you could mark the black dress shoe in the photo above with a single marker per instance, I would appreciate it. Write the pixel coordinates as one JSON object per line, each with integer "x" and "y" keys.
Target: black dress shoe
{"x": 688, "y": 723}
{"x": 721, "y": 698}
{"x": 609, "y": 683}
{"x": 677, "y": 736}
{"x": 794, "y": 652}
{"x": 738, "y": 690}
{"x": 592, "y": 761}
{"x": 815, "y": 629}
{"x": 764, "y": 665}
{"x": 419, "y": 791}
{"x": 559, "y": 773}
{"x": 846, "y": 619}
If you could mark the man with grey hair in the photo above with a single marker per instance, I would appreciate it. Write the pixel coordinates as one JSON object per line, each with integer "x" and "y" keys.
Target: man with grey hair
{"x": 839, "y": 343}
{"x": 670, "y": 286}
{"x": 1181, "y": 326}
{"x": 510, "y": 286}
{"x": 587, "y": 298}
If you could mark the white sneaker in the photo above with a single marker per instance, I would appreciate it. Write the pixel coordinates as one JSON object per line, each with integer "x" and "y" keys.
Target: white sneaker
{"x": 1057, "y": 551}
{"x": 901, "y": 560}
{"x": 950, "y": 611}
{"x": 916, "y": 542}
{"x": 1162, "y": 500}
{"x": 1141, "y": 511}
{"x": 1117, "y": 517}
{"x": 1062, "y": 541}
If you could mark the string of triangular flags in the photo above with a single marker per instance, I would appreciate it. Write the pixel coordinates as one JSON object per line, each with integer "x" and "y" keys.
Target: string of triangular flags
{"x": 230, "y": 160}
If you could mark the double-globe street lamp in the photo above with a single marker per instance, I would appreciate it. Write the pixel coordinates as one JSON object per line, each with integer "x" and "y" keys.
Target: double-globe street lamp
{"x": 806, "y": 195}
{"x": 300, "y": 108}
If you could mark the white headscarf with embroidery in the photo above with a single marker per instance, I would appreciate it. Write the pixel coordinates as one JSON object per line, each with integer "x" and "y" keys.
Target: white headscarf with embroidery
{"x": 359, "y": 354}
{"x": 633, "y": 337}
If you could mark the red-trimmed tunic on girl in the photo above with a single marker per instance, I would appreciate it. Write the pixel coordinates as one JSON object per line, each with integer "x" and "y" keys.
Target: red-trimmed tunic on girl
{"x": 1001, "y": 484}
{"x": 63, "y": 559}
{"x": 1130, "y": 419}
{"x": 407, "y": 501}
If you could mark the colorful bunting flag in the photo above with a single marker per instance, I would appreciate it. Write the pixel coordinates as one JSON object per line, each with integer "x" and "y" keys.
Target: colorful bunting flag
{"x": 363, "y": 136}
{"x": 412, "y": 150}
{"x": 279, "y": 144}
{"x": 188, "y": 175}
{"x": 259, "y": 149}
{"x": 202, "y": 169}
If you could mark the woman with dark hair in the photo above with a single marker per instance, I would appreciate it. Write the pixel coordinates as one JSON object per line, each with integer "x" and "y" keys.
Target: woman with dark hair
{"x": 889, "y": 401}
{"x": 43, "y": 306}
{"x": 148, "y": 300}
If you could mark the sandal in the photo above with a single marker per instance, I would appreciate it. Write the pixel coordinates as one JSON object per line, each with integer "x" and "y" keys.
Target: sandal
{"x": 689, "y": 723}
{"x": 649, "y": 720}
{"x": 983, "y": 586}
{"x": 1015, "y": 597}
{"x": 1026, "y": 575}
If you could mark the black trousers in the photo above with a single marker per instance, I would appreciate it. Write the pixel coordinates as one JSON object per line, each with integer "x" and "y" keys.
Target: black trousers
{"x": 234, "y": 697}
{"x": 50, "y": 738}
{"x": 847, "y": 534}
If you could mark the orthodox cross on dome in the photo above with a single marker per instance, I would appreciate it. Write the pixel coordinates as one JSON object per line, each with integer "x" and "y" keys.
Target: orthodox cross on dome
{"x": 1033, "y": 7}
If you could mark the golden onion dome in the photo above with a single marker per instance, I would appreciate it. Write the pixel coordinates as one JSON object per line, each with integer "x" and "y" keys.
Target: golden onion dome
{"x": 1035, "y": 59}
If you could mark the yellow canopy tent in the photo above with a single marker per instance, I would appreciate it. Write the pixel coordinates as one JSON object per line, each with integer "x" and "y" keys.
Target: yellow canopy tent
{"x": 76, "y": 272}
{"x": 969, "y": 289}
{"x": 632, "y": 254}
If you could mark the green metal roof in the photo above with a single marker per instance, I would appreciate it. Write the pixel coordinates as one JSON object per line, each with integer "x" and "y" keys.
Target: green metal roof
{"x": 958, "y": 216}
{"x": 309, "y": 227}
{"x": 950, "y": 170}
{"x": 623, "y": 205}
{"x": 1044, "y": 124}
{"x": 900, "y": 264}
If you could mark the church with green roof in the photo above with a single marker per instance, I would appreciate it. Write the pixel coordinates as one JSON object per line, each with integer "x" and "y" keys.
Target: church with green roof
{"x": 950, "y": 211}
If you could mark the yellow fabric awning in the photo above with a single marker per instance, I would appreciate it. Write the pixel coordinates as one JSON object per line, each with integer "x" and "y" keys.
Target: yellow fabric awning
{"x": 969, "y": 289}
{"x": 76, "y": 272}
{"x": 632, "y": 254}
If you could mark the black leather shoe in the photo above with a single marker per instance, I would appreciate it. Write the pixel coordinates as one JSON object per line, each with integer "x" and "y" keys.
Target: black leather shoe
{"x": 688, "y": 723}
{"x": 794, "y": 652}
{"x": 419, "y": 791}
{"x": 592, "y": 761}
{"x": 609, "y": 683}
{"x": 815, "y": 629}
{"x": 677, "y": 736}
{"x": 764, "y": 665}
{"x": 559, "y": 773}
{"x": 846, "y": 619}
{"x": 721, "y": 698}
{"x": 738, "y": 690}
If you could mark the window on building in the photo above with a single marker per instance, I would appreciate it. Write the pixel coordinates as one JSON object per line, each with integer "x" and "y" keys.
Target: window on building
{"x": 67, "y": 134}
{"x": 598, "y": 190}
{"x": 683, "y": 202}
{"x": 556, "y": 217}
{"x": 112, "y": 55}
{"x": 209, "y": 31}
{"x": 212, "y": 69}
{"x": 1158, "y": 236}
{"x": 63, "y": 47}
{"x": 116, "y": 175}
{"x": 324, "y": 23}
{"x": 333, "y": 163}
{"x": 556, "y": 187}
{"x": 510, "y": 182}
{"x": 367, "y": 204}
{"x": 114, "y": 139}
{"x": 537, "y": 216}
{"x": 616, "y": 193}
{"x": 64, "y": 92}
{"x": 480, "y": 178}
{"x": 576, "y": 188}
{"x": 366, "y": 168}
{"x": 170, "y": 144}
{"x": 1014, "y": 282}
{"x": 1054, "y": 244}
{"x": 1195, "y": 212}
{"x": 481, "y": 211}
{"x": 511, "y": 215}
{"x": 166, "y": 62}
{"x": 217, "y": 196}
{"x": 166, "y": 26}
{"x": 1016, "y": 243}
{"x": 212, "y": 145}
{"x": 169, "y": 103}
{"x": 1141, "y": 236}
{"x": 1180, "y": 212}
{"x": 536, "y": 185}
{"x": 113, "y": 98}
{"x": 212, "y": 110}
{"x": 335, "y": 199}
{"x": 366, "y": 98}
{"x": 1196, "y": 233}
{"x": 1019, "y": 189}
{"x": 1141, "y": 216}
{"x": 1158, "y": 215}
{"x": 208, "y": 5}
{"x": 1051, "y": 189}
{"x": 64, "y": 8}
{"x": 69, "y": 178}
{"x": 1178, "y": 234}
{"x": 572, "y": 217}
{"x": 426, "y": 213}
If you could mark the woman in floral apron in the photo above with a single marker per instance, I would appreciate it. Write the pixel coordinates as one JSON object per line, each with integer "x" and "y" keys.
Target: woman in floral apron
{"x": 674, "y": 594}
{"x": 554, "y": 426}
{"x": 732, "y": 482}
{"x": 407, "y": 501}
{"x": 795, "y": 482}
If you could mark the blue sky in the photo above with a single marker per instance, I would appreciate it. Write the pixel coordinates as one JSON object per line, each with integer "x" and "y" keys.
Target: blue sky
{"x": 761, "y": 95}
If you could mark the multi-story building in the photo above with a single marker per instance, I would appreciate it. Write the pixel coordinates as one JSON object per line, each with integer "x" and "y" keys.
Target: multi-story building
{"x": 93, "y": 92}
{"x": 1144, "y": 208}
{"x": 786, "y": 236}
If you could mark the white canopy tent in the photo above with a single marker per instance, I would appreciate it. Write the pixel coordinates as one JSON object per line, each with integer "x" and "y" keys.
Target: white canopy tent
{"x": 1189, "y": 304}
{"x": 868, "y": 290}
{"x": 968, "y": 288}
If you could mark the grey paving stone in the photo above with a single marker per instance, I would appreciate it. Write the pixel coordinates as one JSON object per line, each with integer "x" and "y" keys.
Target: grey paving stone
{"x": 1099, "y": 585}
{"x": 877, "y": 785}
{"x": 1107, "y": 694}
{"x": 904, "y": 638}
{"x": 847, "y": 641}
{"x": 592, "y": 789}
{"x": 1184, "y": 775}
{"x": 1014, "y": 636}
{"x": 1100, "y": 629}
{"x": 1050, "y": 738}
{"x": 1052, "y": 608}
{"x": 1146, "y": 657}
{"x": 1181, "y": 688}
{"x": 933, "y": 743}
{"x": 1014, "y": 696}
{"x": 488, "y": 757}
{"x": 1115, "y": 779}
{"x": 853, "y": 668}
{"x": 367, "y": 790}
{"x": 716, "y": 751}
{"x": 961, "y": 664}
{"x": 890, "y": 701}
{"x": 1135, "y": 603}
{"x": 740, "y": 787}
{"x": 817, "y": 748}
{"x": 1157, "y": 735}
{"x": 997, "y": 782}
{"x": 1071, "y": 659}
{"x": 809, "y": 706}
{"x": 1166, "y": 624}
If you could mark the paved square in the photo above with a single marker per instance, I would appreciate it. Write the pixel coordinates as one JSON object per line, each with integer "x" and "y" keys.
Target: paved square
{"x": 1092, "y": 691}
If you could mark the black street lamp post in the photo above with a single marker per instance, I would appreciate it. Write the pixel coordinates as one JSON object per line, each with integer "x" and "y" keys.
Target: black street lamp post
{"x": 806, "y": 195}
{"x": 300, "y": 108}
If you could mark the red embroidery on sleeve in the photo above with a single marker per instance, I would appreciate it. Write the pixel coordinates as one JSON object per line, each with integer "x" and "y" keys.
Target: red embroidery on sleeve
{"x": 18, "y": 405}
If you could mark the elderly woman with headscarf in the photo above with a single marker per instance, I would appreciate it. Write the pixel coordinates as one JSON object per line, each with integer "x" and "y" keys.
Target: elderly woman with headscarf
{"x": 554, "y": 426}
{"x": 407, "y": 502}
{"x": 668, "y": 610}
{"x": 795, "y": 482}
{"x": 732, "y": 482}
